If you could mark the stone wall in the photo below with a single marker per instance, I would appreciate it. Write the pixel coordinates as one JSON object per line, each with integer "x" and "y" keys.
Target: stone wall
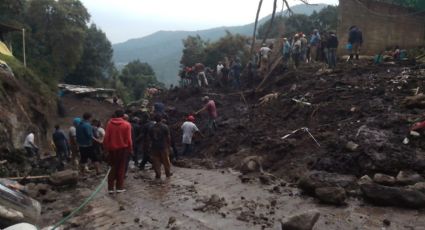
{"x": 383, "y": 25}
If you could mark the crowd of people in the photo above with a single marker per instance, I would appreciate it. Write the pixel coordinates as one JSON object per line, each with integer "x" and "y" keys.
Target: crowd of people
{"x": 141, "y": 136}
{"x": 226, "y": 74}
{"x": 296, "y": 50}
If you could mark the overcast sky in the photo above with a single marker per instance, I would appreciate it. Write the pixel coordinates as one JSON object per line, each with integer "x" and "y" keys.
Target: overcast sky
{"x": 125, "y": 19}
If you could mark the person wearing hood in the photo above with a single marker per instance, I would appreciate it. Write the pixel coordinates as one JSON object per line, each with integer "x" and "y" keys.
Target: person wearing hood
{"x": 73, "y": 145}
{"x": 85, "y": 143}
{"x": 119, "y": 146}
{"x": 355, "y": 38}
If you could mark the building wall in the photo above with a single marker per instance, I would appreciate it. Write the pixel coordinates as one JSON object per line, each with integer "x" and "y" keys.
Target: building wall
{"x": 383, "y": 25}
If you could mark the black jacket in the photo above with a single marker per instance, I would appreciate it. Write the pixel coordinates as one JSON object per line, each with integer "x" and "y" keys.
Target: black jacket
{"x": 332, "y": 42}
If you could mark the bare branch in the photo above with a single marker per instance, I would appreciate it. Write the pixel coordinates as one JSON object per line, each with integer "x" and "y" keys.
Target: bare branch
{"x": 271, "y": 21}
{"x": 255, "y": 28}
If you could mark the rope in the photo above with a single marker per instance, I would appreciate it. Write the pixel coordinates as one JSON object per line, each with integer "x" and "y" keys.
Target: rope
{"x": 72, "y": 214}
{"x": 388, "y": 15}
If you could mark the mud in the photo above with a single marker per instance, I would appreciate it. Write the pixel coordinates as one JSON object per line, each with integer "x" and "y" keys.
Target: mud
{"x": 152, "y": 204}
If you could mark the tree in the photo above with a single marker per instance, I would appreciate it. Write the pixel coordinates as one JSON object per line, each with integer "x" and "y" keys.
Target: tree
{"x": 56, "y": 36}
{"x": 277, "y": 29}
{"x": 137, "y": 77}
{"x": 326, "y": 19}
{"x": 96, "y": 62}
{"x": 193, "y": 51}
{"x": 230, "y": 45}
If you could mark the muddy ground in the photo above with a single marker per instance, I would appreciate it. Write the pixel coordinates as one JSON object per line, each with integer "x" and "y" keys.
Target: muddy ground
{"x": 360, "y": 103}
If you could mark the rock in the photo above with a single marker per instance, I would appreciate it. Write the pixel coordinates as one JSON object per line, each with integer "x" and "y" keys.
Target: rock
{"x": 303, "y": 221}
{"x": 393, "y": 196}
{"x": 386, "y": 222}
{"x": 66, "y": 177}
{"x": 319, "y": 179}
{"x": 331, "y": 195}
{"x": 251, "y": 164}
{"x": 171, "y": 220}
{"x": 136, "y": 220}
{"x": 384, "y": 179}
{"x": 244, "y": 178}
{"x": 351, "y": 146}
{"x": 364, "y": 180}
{"x": 409, "y": 178}
{"x": 418, "y": 187}
{"x": 266, "y": 179}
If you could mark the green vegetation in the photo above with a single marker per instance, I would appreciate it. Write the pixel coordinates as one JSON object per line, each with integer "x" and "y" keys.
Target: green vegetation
{"x": 163, "y": 49}
{"x": 324, "y": 20}
{"x": 210, "y": 53}
{"x": 62, "y": 47}
{"x": 34, "y": 82}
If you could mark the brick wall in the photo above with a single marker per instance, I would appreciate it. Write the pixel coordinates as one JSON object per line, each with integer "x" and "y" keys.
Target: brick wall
{"x": 380, "y": 30}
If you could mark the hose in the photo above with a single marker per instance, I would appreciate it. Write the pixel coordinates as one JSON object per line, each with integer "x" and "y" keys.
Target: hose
{"x": 84, "y": 204}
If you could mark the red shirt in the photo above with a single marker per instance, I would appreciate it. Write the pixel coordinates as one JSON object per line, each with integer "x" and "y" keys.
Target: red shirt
{"x": 118, "y": 135}
{"x": 211, "y": 109}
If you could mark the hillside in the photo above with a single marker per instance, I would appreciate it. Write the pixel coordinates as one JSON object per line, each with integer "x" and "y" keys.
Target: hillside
{"x": 162, "y": 50}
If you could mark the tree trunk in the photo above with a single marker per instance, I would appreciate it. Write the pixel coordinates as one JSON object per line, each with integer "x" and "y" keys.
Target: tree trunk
{"x": 271, "y": 22}
{"x": 255, "y": 28}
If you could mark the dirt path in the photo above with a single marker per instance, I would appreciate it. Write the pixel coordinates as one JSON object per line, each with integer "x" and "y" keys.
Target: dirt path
{"x": 150, "y": 204}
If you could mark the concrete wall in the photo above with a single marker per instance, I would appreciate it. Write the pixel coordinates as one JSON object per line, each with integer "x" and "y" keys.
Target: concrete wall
{"x": 383, "y": 25}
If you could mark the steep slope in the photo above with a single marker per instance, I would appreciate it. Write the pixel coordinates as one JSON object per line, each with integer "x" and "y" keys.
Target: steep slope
{"x": 163, "y": 49}
{"x": 27, "y": 103}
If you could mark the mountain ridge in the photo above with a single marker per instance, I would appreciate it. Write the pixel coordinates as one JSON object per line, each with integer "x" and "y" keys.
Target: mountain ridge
{"x": 163, "y": 49}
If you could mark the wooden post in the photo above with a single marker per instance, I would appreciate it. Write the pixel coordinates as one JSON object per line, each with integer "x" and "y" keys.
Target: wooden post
{"x": 23, "y": 47}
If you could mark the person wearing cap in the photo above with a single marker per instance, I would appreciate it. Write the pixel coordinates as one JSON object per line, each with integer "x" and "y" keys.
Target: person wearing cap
{"x": 189, "y": 128}
{"x": 73, "y": 145}
{"x": 314, "y": 45}
{"x": 212, "y": 114}
{"x": 332, "y": 45}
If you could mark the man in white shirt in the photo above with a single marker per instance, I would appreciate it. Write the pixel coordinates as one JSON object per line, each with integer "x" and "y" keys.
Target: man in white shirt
{"x": 189, "y": 128}
{"x": 30, "y": 146}
{"x": 264, "y": 55}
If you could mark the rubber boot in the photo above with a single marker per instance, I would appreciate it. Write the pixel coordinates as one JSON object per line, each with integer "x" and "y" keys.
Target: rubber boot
{"x": 351, "y": 56}
{"x": 357, "y": 57}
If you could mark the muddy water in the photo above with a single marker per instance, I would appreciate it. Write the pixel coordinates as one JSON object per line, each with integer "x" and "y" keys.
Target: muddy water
{"x": 149, "y": 204}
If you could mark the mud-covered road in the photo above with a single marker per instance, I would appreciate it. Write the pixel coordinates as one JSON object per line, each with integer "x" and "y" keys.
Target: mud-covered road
{"x": 184, "y": 202}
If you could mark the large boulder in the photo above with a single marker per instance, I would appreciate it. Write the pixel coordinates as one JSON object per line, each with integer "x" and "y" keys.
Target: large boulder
{"x": 384, "y": 179}
{"x": 409, "y": 178}
{"x": 331, "y": 195}
{"x": 302, "y": 221}
{"x": 393, "y": 196}
{"x": 66, "y": 177}
{"x": 320, "y": 179}
{"x": 251, "y": 164}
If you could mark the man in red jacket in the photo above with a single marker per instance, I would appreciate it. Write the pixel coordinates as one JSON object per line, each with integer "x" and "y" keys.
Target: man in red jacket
{"x": 118, "y": 145}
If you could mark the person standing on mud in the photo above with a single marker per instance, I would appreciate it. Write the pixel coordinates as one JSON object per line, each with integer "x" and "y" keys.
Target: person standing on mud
{"x": 237, "y": 69}
{"x": 61, "y": 145}
{"x": 212, "y": 114}
{"x": 286, "y": 53}
{"x": 30, "y": 146}
{"x": 189, "y": 128}
{"x": 219, "y": 73}
{"x": 146, "y": 124}
{"x": 98, "y": 137}
{"x": 119, "y": 146}
{"x": 355, "y": 38}
{"x": 72, "y": 134}
{"x": 296, "y": 50}
{"x": 314, "y": 45}
{"x": 332, "y": 48}
{"x": 304, "y": 48}
{"x": 264, "y": 58}
{"x": 200, "y": 72}
{"x": 85, "y": 144}
{"x": 160, "y": 140}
